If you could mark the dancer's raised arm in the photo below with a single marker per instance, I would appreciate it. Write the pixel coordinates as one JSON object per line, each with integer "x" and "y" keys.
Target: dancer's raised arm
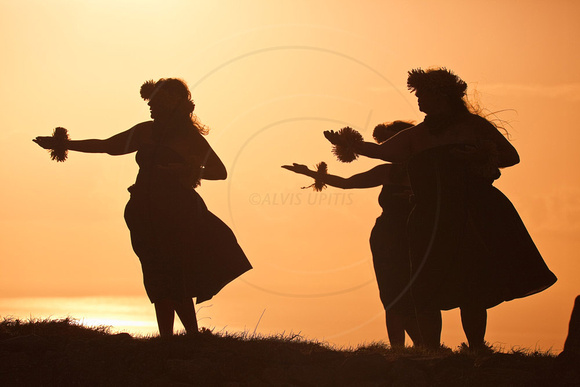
{"x": 119, "y": 144}
{"x": 507, "y": 153}
{"x": 185, "y": 251}
{"x": 372, "y": 178}
{"x": 213, "y": 167}
{"x": 398, "y": 149}
{"x": 488, "y": 144}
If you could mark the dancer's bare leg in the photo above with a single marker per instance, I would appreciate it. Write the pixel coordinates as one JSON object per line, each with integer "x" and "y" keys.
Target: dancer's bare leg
{"x": 474, "y": 321}
{"x": 395, "y": 329}
{"x": 412, "y": 329}
{"x": 165, "y": 312}
{"x": 429, "y": 322}
{"x": 186, "y": 312}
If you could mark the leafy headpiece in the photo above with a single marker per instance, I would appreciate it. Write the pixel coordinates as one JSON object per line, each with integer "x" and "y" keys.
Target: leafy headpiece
{"x": 440, "y": 81}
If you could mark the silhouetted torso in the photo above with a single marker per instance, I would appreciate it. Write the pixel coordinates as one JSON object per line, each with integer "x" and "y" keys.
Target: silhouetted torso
{"x": 389, "y": 243}
{"x": 184, "y": 249}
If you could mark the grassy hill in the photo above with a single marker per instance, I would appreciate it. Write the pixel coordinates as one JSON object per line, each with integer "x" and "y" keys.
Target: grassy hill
{"x": 65, "y": 353}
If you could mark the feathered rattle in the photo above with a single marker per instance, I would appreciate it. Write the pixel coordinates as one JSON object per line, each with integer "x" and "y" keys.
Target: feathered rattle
{"x": 321, "y": 171}
{"x": 59, "y": 152}
{"x": 348, "y": 138}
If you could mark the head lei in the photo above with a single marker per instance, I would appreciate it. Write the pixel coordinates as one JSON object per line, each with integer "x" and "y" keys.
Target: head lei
{"x": 439, "y": 80}
{"x": 147, "y": 89}
{"x": 174, "y": 85}
{"x": 177, "y": 86}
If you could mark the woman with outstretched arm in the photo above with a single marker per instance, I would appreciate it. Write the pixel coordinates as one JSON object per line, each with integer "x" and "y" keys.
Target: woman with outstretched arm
{"x": 185, "y": 251}
{"x": 468, "y": 245}
{"x": 388, "y": 238}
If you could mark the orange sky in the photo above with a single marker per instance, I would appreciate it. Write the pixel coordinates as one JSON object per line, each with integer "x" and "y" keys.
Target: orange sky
{"x": 268, "y": 78}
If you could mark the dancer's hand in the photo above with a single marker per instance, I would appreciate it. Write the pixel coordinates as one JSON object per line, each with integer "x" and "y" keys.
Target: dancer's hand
{"x": 334, "y": 137}
{"x": 45, "y": 142}
{"x": 298, "y": 168}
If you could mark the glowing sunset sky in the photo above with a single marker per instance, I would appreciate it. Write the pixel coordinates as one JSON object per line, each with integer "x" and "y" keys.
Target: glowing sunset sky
{"x": 268, "y": 78}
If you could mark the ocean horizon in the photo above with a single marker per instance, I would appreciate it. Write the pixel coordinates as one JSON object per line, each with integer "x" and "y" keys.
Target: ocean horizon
{"x": 131, "y": 314}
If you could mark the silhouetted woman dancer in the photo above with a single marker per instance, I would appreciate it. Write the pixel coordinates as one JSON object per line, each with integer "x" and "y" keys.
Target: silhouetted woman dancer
{"x": 185, "y": 250}
{"x": 468, "y": 246}
{"x": 388, "y": 239}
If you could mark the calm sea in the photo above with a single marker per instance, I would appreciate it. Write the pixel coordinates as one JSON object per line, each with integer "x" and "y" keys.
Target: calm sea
{"x": 134, "y": 315}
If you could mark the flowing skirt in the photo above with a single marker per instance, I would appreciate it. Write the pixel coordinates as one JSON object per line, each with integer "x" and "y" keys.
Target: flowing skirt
{"x": 475, "y": 252}
{"x": 468, "y": 245}
{"x": 185, "y": 251}
{"x": 390, "y": 250}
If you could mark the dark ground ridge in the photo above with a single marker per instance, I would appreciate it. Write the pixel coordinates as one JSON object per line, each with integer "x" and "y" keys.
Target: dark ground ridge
{"x": 66, "y": 353}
